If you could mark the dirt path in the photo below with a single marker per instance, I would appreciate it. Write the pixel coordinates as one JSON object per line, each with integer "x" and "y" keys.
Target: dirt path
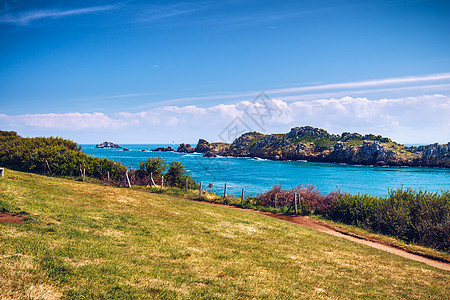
{"x": 314, "y": 224}
{"x": 10, "y": 218}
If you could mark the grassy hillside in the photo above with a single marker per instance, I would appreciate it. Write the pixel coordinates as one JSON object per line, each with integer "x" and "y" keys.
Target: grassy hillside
{"x": 87, "y": 241}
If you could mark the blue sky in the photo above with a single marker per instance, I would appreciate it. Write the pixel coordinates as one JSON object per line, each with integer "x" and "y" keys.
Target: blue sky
{"x": 163, "y": 71}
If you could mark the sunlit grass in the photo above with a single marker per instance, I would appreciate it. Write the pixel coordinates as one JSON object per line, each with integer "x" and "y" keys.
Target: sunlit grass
{"x": 88, "y": 241}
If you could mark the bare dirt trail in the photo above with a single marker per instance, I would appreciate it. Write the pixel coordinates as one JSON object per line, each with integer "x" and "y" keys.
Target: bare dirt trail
{"x": 314, "y": 224}
{"x": 10, "y": 218}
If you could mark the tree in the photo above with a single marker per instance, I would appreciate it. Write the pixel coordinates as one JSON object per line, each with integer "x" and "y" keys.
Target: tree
{"x": 175, "y": 174}
{"x": 155, "y": 165}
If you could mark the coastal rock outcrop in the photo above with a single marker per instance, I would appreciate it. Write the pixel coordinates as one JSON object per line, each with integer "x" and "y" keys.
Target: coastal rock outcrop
{"x": 185, "y": 148}
{"x": 210, "y": 154}
{"x": 203, "y": 146}
{"x": 315, "y": 144}
{"x": 168, "y": 148}
{"x": 108, "y": 145}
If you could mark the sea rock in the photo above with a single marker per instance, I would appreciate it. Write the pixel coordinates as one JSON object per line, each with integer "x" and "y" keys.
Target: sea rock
{"x": 107, "y": 145}
{"x": 210, "y": 154}
{"x": 203, "y": 146}
{"x": 164, "y": 149}
{"x": 185, "y": 148}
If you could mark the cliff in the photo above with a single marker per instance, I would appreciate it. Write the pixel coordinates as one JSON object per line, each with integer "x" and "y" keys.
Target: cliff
{"x": 315, "y": 144}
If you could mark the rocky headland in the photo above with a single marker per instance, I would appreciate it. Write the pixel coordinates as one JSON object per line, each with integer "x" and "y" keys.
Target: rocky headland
{"x": 315, "y": 144}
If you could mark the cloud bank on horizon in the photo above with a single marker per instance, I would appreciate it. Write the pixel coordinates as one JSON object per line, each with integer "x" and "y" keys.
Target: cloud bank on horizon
{"x": 411, "y": 120}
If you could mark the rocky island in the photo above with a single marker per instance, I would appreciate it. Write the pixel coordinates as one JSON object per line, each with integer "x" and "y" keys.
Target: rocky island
{"x": 317, "y": 145}
{"x": 108, "y": 145}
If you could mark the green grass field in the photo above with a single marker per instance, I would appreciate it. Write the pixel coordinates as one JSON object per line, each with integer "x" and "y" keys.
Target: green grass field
{"x": 88, "y": 241}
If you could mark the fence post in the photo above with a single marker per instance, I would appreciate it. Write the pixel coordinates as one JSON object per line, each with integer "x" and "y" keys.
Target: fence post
{"x": 2, "y": 172}
{"x": 242, "y": 198}
{"x": 187, "y": 186}
{"x": 48, "y": 166}
{"x": 276, "y": 198}
{"x": 84, "y": 174}
{"x": 200, "y": 191}
{"x": 225, "y": 190}
{"x": 162, "y": 183}
{"x": 295, "y": 203}
{"x": 128, "y": 179}
{"x": 108, "y": 177}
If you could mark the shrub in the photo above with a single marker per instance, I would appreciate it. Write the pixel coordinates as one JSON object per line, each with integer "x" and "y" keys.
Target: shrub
{"x": 153, "y": 165}
{"x": 63, "y": 156}
{"x": 413, "y": 216}
{"x": 175, "y": 174}
{"x": 309, "y": 197}
{"x": 357, "y": 209}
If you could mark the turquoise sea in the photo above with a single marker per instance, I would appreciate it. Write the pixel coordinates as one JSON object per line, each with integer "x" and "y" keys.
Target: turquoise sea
{"x": 257, "y": 175}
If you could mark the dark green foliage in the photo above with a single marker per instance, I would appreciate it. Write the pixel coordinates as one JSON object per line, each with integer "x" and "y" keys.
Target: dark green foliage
{"x": 357, "y": 209}
{"x": 155, "y": 165}
{"x": 192, "y": 184}
{"x": 64, "y": 157}
{"x": 175, "y": 174}
{"x": 414, "y": 216}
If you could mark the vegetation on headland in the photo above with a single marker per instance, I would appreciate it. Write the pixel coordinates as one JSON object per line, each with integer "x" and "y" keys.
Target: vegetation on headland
{"x": 90, "y": 241}
{"x": 316, "y": 144}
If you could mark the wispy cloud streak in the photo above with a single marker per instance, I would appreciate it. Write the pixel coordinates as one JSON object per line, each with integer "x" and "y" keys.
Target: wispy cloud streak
{"x": 335, "y": 89}
{"x": 26, "y": 17}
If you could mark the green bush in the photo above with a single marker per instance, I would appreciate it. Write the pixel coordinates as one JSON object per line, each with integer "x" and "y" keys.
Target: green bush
{"x": 156, "y": 166}
{"x": 175, "y": 174}
{"x": 64, "y": 157}
{"x": 359, "y": 210}
{"x": 414, "y": 216}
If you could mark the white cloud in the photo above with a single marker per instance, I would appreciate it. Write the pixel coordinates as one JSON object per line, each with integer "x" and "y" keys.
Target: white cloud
{"x": 67, "y": 121}
{"x": 421, "y": 119}
{"x": 436, "y": 83}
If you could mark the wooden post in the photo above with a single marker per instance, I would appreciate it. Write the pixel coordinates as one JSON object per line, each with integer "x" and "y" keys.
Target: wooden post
{"x": 84, "y": 174}
{"x": 2, "y": 172}
{"x": 151, "y": 178}
{"x": 242, "y": 198}
{"x": 225, "y": 190}
{"x": 128, "y": 179}
{"x": 48, "y": 166}
{"x": 108, "y": 177}
{"x": 162, "y": 183}
{"x": 299, "y": 202}
{"x": 200, "y": 191}
{"x": 295, "y": 203}
{"x": 276, "y": 198}
{"x": 187, "y": 185}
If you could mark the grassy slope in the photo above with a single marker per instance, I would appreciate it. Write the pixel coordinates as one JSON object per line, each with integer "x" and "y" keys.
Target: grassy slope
{"x": 91, "y": 241}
